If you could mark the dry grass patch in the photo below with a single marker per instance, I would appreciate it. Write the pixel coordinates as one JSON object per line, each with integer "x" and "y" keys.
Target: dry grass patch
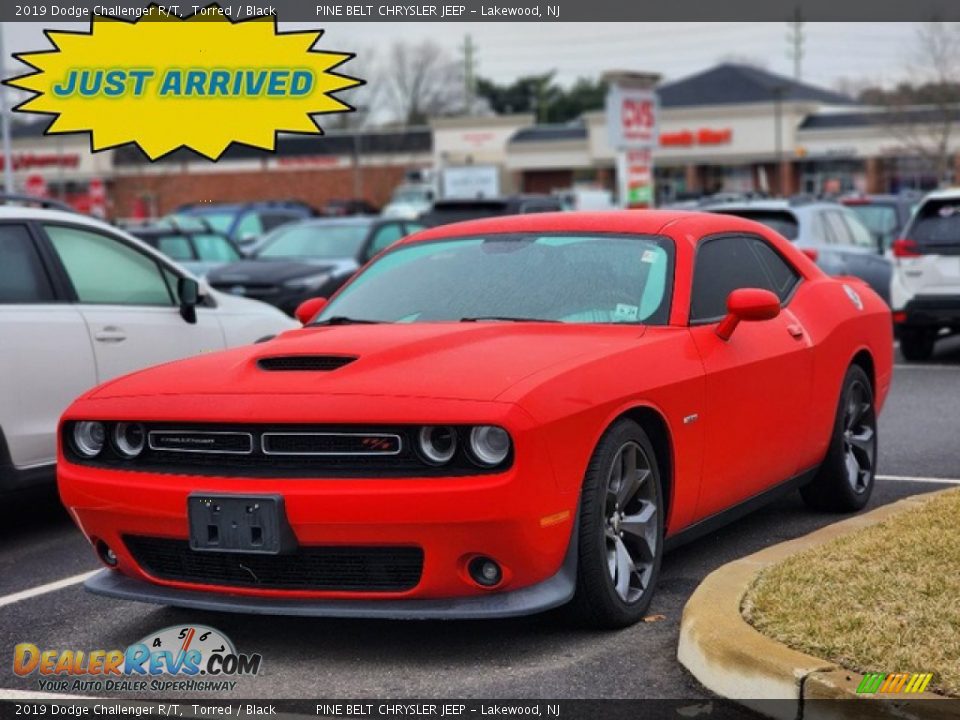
{"x": 882, "y": 599}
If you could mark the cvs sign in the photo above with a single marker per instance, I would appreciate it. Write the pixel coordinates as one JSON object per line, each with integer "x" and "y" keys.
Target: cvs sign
{"x": 631, "y": 117}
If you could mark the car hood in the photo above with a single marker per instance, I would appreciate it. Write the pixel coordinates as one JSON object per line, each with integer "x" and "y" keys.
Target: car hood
{"x": 466, "y": 361}
{"x": 274, "y": 272}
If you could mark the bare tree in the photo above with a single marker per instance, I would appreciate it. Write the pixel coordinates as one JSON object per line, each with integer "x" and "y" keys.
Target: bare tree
{"x": 927, "y": 129}
{"x": 421, "y": 80}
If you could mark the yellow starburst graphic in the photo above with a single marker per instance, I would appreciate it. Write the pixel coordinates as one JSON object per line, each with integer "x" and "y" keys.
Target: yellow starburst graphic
{"x": 201, "y": 82}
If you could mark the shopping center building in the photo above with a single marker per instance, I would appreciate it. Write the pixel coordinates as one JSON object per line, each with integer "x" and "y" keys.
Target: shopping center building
{"x": 731, "y": 128}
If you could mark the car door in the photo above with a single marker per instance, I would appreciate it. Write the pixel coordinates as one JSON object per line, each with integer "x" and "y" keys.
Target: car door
{"x": 45, "y": 356}
{"x": 757, "y": 383}
{"x": 861, "y": 251}
{"x": 128, "y": 299}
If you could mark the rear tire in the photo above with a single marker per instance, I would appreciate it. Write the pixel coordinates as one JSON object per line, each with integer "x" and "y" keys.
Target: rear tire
{"x": 620, "y": 541}
{"x": 845, "y": 480}
{"x": 916, "y": 344}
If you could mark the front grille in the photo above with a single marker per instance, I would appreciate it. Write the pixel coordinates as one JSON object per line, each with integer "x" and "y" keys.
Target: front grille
{"x": 355, "y": 569}
{"x": 306, "y": 363}
{"x": 283, "y": 451}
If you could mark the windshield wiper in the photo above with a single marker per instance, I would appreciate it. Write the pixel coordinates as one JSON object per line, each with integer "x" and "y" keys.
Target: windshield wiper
{"x": 505, "y": 318}
{"x": 344, "y": 320}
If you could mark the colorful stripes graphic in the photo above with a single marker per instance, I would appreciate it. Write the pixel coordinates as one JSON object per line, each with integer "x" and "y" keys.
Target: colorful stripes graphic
{"x": 873, "y": 683}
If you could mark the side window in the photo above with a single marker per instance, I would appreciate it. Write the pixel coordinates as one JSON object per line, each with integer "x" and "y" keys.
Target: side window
{"x": 413, "y": 227}
{"x": 214, "y": 248}
{"x": 383, "y": 238}
{"x": 103, "y": 270}
{"x": 723, "y": 265}
{"x": 175, "y": 246}
{"x": 249, "y": 226}
{"x": 22, "y": 277}
{"x": 858, "y": 231}
{"x": 837, "y": 228}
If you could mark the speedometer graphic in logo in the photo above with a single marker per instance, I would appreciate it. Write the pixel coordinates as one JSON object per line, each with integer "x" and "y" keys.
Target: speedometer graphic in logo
{"x": 183, "y": 638}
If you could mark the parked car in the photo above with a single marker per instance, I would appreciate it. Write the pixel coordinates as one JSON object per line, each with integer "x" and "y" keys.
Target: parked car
{"x": 191, "y": 242}
{"x": 343, "y": 207}
{"x": 829, "y": 233}
{"x": 494, "y": 418}
{"x": 82, "y": 302}
{"x": 310, "y": 258}
{"x": 926, "y": 278}
{"x": 884, "y": 215}
{"x": 444, "y": 212}
{"x": 410, "y": 201}
{"x": 244, "y": 223}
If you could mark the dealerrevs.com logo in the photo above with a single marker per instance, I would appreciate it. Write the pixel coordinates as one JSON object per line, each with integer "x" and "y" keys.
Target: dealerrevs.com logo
{"x": 192, "y": 658}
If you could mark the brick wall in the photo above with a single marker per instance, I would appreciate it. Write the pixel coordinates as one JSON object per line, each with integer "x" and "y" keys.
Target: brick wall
{"x": 166, "y": 191}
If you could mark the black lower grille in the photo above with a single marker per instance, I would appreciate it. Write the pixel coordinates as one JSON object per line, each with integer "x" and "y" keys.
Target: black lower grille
{"x": 357, "y": 569}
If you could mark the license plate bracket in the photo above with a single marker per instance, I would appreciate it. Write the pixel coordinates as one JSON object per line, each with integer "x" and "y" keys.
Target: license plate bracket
{"x": 239, "y": 524}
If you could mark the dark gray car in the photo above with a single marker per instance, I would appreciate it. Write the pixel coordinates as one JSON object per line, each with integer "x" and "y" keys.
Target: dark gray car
{"x": 830, "y": 233}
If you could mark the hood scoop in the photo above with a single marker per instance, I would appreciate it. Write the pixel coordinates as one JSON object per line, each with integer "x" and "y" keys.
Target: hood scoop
{"x": 304, "y": 363}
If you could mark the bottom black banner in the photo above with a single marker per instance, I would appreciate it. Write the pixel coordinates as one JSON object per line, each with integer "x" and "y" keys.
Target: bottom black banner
{"x": 67, "y": 708}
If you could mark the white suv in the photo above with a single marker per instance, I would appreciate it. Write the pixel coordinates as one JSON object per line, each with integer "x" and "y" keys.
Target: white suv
{"x": 925, "y": 291}
{"x": 82, "y": 302}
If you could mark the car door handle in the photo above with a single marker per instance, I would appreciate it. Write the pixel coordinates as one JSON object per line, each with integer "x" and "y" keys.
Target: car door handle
{"x": 795, "y": 330}
{"x": 110, "y": 334}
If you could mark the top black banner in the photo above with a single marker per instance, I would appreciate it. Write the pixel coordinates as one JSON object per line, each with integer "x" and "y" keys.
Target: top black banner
{"x": 502, "y": 11}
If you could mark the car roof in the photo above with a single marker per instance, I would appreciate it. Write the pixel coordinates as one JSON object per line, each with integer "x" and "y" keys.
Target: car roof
{"x": 770, "y": 204}
{"x": 952, "y": 193}
{"x": 22, "y": 212}
{"x": 677, "y": 223}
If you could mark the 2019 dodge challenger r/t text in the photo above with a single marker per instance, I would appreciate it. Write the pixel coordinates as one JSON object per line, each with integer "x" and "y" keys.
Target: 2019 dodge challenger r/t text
{"x": 493, "y": 418}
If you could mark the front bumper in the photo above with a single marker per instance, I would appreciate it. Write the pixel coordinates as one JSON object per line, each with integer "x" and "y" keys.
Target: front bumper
{"x": 518, "y": 518}
{"x": 540, "y": 597}
{"x": 932, "y": 311}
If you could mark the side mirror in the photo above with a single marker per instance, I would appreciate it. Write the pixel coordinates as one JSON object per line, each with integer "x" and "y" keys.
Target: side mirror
{"x": 750, "y": 304}
{"x": 308, "y": 309}
{"x": 247, "y": 238}
{"x": 188, "y": 290}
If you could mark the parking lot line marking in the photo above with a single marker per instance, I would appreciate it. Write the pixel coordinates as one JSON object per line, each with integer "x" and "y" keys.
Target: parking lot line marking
{"x": 907, "y": 366}
{"x": 43, "y": 589}
{"x": 914, "y": 479}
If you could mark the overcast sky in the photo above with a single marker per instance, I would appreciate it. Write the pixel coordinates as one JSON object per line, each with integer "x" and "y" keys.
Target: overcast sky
{"x": 876, "y": 52}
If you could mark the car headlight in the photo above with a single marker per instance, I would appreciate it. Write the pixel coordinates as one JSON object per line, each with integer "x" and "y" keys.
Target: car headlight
{"x": 307, "y": 282}
{"x": 438, "y": 443}
{"x": 129, "y": 439}
{"x": 489, "y": 444}
{"x": 89, "y": 437}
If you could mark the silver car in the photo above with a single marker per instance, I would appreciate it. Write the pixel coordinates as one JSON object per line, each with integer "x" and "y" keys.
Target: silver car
{"x": 831, "y": 234}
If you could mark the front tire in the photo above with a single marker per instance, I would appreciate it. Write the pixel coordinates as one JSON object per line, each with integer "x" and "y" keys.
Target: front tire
{"x": 845, "y": 480}
{"x": 620, "y": 542}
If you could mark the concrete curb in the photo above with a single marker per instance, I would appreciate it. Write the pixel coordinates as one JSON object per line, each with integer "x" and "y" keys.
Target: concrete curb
{"x": 731, "y": 658}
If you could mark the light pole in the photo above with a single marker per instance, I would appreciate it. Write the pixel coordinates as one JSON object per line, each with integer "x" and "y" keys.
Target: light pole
{"x": 5, "y": 124}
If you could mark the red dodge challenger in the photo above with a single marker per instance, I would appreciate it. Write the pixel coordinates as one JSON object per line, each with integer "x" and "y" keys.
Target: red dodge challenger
{"x": 493, "y": 418}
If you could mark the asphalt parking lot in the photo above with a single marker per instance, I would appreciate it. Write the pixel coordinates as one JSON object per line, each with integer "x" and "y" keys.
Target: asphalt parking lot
{"x": 524, "y": 658}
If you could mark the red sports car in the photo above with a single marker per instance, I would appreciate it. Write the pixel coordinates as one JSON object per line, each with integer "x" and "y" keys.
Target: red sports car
{"x": 493, "y": 418}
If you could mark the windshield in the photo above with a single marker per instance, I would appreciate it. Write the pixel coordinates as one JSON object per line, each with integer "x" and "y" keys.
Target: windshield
{"x": 566, "y": 278}
{"x": 936, "y": 226}
{"x": 314, "y": 240}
